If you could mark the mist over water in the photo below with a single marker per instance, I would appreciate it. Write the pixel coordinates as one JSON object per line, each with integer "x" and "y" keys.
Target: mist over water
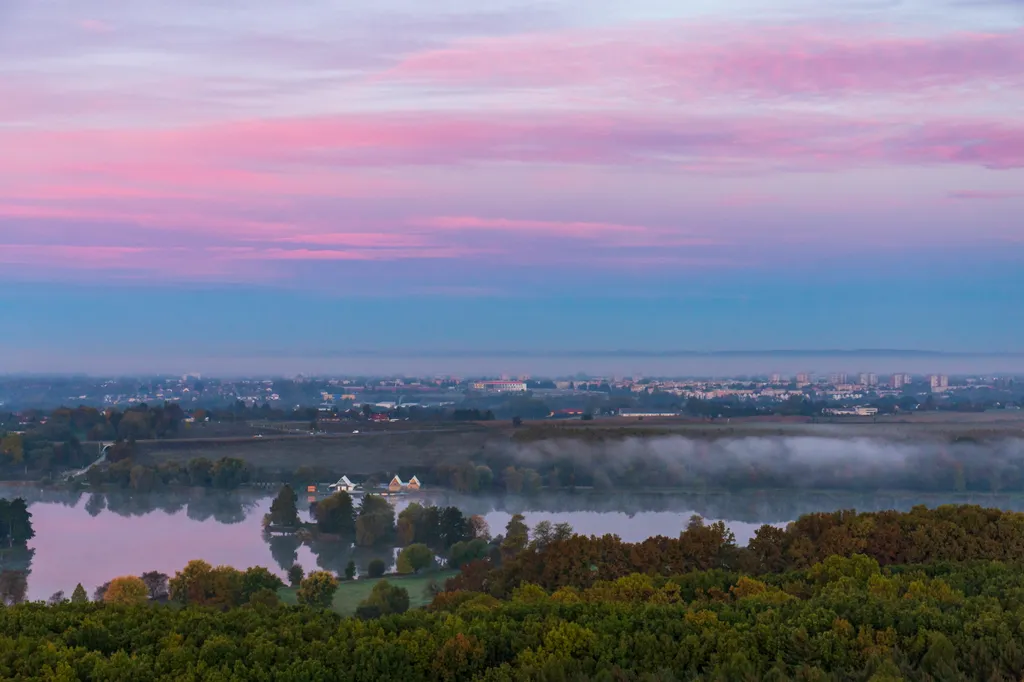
{"x": 800, "y": 462}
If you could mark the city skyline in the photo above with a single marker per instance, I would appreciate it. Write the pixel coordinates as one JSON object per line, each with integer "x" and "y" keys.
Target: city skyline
{"x": 250, "y": 186}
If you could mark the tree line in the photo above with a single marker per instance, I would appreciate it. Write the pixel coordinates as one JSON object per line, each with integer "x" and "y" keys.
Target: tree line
{"x": 924, "y": 595}
{"x": 846, "y": 618}
{"x": 921, "y": 536}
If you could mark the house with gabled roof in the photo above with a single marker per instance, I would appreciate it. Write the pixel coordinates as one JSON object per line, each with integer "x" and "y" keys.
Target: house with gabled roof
{"x": 343, "y": 485}
{"x": 398, "y": 485}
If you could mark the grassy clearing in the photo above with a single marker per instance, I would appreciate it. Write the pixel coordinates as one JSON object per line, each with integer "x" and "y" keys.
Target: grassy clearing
{"x": 351, "y": 593}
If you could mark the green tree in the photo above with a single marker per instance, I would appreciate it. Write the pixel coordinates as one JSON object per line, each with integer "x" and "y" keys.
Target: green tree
{"x": 336, "y": 515}
{"x": 415, "y": 558}
{"x": 264, "y": 597}
{"x": 517, "y": 535}
{"x": 156, "y": 584}
{"x": 12, "y": 447}
{"x": 256, "y": 579}
{"x": 385, "y": 599}
{"x": 375, "y": 524}
{"x": 452, "y": 527}
{"x": 463, "y": 553}
{"x": 317, "y": 590}
{"x": 295, "y": 575}
{"x": 350, "y": 570}
{"x": 79, "y": 596}
{"x": 411, "y": 526}
{"x": 283, "y": 510}
{"x": 200, "y": 472}
{"x": 376, "y": 568}
{"x": 229, "y": 473}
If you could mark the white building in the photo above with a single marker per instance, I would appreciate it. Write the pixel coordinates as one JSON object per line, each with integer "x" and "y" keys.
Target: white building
{"x": 343, "y": 486}
{"x": 501, "y": 386}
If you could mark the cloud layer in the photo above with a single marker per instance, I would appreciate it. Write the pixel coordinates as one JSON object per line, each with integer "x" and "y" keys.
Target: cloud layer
{"x": 251, "y": 146}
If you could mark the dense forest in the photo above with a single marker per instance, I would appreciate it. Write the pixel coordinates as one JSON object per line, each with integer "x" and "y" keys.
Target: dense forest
{"x": 925, "y": 595}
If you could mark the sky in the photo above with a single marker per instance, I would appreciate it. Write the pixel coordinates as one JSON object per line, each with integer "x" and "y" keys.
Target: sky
{"x": 184, "y": 183}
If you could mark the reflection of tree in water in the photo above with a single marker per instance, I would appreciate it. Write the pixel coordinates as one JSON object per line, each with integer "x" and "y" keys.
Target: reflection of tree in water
{"x": 221, "y": 507}
{"x": 96, "y": 503}
{"x": 129, "y": 505}
{"x": 284, "y": 548}
{"x": 202, "y": 505}
{"x": 748, "y": 506}
{"x": 332, "y": 555}
{"x": 72, "y": 498}
{"x": 364, "y": 555}
{"x": 15, "y": 567}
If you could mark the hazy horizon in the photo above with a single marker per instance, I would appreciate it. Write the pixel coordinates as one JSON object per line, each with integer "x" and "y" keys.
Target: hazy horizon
{"x": 695, "y": 364}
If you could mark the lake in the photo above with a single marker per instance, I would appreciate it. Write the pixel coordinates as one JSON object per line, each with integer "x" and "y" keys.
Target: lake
{"x": 93, "y": 537}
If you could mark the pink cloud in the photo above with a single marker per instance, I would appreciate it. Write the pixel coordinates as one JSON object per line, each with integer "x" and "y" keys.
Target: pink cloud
{"x": 692, "y": 60}
{"x": 181, "y": 221}
{"x": 608, "y": 233}
{"x": 95, "y": 26}
{"x": 317, "y": 156}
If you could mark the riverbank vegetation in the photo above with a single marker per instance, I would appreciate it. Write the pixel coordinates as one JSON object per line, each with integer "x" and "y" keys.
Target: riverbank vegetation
{"x": 925, "y": 595}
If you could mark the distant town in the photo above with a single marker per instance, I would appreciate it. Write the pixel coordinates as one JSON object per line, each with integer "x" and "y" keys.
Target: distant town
{"x": 862, "y": 394}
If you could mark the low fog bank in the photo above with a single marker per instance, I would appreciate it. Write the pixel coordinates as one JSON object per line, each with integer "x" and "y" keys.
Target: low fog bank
{"x": 796, "y": 462}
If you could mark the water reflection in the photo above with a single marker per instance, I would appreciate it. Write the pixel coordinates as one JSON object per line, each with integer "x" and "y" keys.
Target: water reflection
{"x": 93, "y": 537}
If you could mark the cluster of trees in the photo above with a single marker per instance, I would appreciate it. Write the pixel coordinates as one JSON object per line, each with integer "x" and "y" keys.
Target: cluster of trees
{"x": 15, "y": 523}
{"x": 226, "y": 473}
{"x": 845, "y": 618}
{"x": 920, "y": 536}
{"x": 371, "y": 525}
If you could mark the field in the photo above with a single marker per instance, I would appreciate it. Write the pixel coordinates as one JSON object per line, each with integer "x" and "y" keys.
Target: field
{"x": 351, "y": 593}
{"x": 408, "y": 445}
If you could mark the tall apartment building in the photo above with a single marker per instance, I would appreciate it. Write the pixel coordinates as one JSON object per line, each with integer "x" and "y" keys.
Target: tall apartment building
{"x": 938, "y": 382}
{"x": 802, "y": 379}
{"x": 867, "y": 379}
{"x": 897, "y": 381}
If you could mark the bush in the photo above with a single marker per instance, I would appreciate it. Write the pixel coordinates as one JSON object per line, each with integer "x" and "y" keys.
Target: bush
{"x": 386, "y": 598}
{"x": 376, "y": 568}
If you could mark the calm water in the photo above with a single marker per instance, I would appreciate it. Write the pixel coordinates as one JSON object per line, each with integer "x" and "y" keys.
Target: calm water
{"x": 91, "y": 538}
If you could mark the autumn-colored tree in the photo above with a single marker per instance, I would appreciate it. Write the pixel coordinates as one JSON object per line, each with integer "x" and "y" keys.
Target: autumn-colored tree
{"x": 317, "y": 590}
{"x": 127, "y": 590}
{"x": 478, "y": 528}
